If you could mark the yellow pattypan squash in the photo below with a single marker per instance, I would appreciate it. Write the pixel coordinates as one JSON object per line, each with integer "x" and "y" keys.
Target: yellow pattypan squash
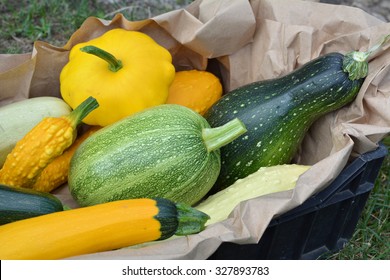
{"x": 195, "y": 89}
{"x": 126, "y": 71}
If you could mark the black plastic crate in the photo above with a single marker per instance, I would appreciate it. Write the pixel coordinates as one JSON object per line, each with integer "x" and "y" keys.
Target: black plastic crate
{"x": 323, "y": 223}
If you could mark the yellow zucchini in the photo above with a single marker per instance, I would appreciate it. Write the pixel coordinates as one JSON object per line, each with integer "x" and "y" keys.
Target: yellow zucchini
{"x": 97, "y": 228}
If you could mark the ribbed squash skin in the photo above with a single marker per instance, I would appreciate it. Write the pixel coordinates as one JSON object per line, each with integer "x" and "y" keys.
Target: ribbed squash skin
{"x": 20, "y": 203}
{"x": 155, "y": 153}
{"x": 277, "y": 114}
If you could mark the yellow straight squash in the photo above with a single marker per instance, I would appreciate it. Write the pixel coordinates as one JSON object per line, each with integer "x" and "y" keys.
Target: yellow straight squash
{"x": 97, "y": 228}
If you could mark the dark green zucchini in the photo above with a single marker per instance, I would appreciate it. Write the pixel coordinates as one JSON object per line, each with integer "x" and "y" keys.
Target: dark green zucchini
{"x": 278, "y": 112}
{"x": 18, "y": 204}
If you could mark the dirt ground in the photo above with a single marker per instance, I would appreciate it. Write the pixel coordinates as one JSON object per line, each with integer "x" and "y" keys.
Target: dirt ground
{"x": 377, "y": 8}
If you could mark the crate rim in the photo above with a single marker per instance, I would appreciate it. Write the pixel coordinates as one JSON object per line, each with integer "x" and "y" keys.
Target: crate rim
{"x": 318, "y": 201}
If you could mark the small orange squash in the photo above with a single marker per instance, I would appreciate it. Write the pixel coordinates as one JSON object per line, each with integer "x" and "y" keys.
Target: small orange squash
{"x": 195, "y": 89}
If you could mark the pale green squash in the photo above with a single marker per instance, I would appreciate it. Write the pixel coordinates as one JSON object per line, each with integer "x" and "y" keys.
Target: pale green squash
{"x": 166, "y": 151}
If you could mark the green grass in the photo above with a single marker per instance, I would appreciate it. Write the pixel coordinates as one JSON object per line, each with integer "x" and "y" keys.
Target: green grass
{"x": 372, "y": 236}
{"x": 23, "y": 22}
{"x": 371, "y": 239}
{"x": 53, "y": 21}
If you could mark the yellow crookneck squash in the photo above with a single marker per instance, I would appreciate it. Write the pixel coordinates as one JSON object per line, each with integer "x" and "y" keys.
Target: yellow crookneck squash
{"x": 126, "y": 71}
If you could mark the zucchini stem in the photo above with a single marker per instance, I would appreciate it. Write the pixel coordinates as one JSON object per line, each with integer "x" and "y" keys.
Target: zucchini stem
{"x": 356, "y": 62}
{"x": 377, "y": 46}
{"x": 190, "y": 219}
{"x": 114, "y": 64}
{"x": 81, "y": 111}
{"x": 217, "y": 137}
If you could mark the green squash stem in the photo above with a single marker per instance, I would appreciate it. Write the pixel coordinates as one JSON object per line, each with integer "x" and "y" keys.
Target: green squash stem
{"x": 217, "y": 137}
{"x": 190, "y": 219}
{"x": 114, "y": 64}
{"x": 356, "y": 62}
{"x": 81, "y": 111}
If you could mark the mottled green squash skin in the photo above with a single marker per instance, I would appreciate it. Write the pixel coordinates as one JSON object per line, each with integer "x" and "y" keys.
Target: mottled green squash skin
{"x": 158, "y": 152}
{"x": 21, "y": 203}
{"x": 277, "y": 114}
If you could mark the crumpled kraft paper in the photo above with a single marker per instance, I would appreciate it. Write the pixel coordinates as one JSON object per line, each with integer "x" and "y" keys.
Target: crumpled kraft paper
{"x": 241, "y": 41}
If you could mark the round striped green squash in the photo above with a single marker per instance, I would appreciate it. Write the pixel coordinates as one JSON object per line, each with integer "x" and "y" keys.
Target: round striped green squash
{"x": 167, "y": 151}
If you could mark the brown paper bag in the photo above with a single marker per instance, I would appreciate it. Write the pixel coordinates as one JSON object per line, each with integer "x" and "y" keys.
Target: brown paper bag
{"x": 243, "y": 41}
